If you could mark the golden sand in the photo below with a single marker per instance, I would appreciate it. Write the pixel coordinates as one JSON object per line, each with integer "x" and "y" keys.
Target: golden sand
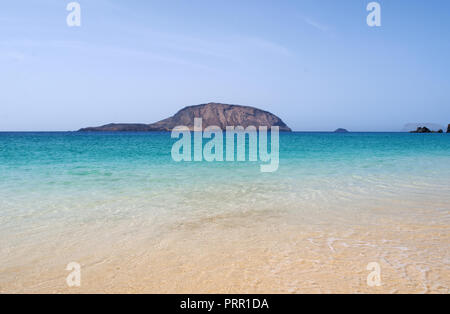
{"x": 251, "y": 252}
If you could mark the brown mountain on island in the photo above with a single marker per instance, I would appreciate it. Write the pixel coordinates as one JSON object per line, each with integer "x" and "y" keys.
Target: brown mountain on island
{"x": 448, "y": 129}
{"x": 213, "y": 114}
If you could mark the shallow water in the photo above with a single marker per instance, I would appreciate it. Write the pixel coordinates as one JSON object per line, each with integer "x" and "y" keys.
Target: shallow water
{"x": 137, "y": 221}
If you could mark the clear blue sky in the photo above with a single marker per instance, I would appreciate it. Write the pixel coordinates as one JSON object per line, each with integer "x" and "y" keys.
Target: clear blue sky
{"x": 315, "y": 63}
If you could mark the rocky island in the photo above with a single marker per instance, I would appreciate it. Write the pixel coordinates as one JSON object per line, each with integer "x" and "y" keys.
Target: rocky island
{"x": 213, "y": 114}
{"x": 412, "y": 127}
{"x": 424, "y": 129}
{"x": 340, "y": 130}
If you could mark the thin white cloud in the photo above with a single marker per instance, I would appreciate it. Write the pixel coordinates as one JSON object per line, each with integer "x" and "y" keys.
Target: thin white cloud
{"x": 316, "y": 24}
{"x": 94, "y": 48}
{"x": 271, "y": 47}
{"x": 16, "y": 56}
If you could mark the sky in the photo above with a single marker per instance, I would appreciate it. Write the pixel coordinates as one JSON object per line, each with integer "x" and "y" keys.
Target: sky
{"x": 314, "y": 63}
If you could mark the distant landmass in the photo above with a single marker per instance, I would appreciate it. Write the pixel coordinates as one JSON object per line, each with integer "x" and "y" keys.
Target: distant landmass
{"x": 427, "y": 130}
{"x": 212, "y": 114}
{"x": 410, "y": 127}
{"x": 341, "y": 131}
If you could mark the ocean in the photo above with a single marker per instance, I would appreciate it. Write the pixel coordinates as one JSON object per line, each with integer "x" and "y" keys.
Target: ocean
{"x": 137, "y": 221}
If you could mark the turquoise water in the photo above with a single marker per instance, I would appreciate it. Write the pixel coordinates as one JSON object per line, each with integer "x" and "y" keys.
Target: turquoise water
{"x": 75, "y": 158}
{"x": 46, "y": 170}
{"x": 58, "y": 185}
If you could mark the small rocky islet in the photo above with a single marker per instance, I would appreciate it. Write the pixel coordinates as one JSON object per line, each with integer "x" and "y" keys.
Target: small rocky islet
{"x": 424, "y": 129}
{"x": 341, "y": 130}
